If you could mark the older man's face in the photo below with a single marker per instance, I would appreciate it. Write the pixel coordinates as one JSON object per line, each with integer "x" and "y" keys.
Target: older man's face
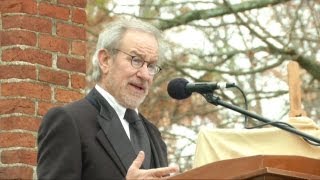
{"x": 127, "y": 84}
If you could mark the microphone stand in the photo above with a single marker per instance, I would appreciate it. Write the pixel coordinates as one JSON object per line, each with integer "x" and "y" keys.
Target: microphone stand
{"x": 216, "y": 101}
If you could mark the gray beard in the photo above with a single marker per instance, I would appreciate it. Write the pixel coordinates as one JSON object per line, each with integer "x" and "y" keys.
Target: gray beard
{"x": 131, "y": 101}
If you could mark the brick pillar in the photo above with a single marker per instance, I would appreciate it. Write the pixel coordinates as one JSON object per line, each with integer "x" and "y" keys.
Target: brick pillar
{"x": 42, "y": 64}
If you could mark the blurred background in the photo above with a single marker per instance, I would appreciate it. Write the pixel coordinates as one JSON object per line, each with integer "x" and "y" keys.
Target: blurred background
{"x": 248, "y": 42}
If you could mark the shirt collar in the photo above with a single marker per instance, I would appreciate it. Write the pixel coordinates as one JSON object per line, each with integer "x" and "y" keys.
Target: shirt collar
{"x": 120, "y": 110}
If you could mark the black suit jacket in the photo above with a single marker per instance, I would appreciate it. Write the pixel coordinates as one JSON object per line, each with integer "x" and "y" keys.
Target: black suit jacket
{"x": 85, "y": 140}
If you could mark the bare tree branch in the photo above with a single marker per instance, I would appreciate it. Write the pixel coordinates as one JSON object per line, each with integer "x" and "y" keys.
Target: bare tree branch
{"x": 216, "y": 12}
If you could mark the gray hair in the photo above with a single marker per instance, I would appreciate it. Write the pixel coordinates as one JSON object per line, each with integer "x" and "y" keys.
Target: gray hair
{"x": 110, "y": 39}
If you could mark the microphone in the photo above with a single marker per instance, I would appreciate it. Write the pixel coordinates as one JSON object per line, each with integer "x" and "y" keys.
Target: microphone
{"x": 180, "y": 88}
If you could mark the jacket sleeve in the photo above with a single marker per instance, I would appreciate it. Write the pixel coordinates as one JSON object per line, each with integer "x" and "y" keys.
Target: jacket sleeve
{"x": 59, "y": 147}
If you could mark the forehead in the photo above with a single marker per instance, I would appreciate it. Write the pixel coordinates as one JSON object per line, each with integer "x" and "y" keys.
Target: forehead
{"x": 140, "y": 42}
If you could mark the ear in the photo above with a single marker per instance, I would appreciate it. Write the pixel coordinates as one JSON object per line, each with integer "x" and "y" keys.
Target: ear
{"x": 104, "y": 58}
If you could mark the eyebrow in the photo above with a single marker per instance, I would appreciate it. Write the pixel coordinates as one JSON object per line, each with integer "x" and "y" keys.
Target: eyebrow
{"x": 153, "y": 61}
{"x": 136, "y": 54}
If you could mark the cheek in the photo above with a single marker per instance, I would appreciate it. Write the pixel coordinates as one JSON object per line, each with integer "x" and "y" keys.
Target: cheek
{"x": 119, "y": 77}
{"x": 150, "y": 82}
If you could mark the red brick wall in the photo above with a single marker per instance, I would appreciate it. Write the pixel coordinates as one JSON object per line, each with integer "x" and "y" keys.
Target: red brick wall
{"x": 42, "y": 64}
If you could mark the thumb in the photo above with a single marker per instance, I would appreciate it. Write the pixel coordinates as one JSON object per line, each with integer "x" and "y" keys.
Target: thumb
{"x": 138, "y": 161}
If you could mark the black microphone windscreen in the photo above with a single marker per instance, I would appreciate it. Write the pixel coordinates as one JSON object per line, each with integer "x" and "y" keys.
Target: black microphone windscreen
{"x": 177, "y": 88}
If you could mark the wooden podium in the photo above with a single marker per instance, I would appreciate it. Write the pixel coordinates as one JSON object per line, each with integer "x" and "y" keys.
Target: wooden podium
{"x": 257, "y": 167}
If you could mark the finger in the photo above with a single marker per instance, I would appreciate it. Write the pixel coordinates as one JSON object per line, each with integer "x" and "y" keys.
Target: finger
{"x": 159, "y": 172}
{"x": 139, "y": 160}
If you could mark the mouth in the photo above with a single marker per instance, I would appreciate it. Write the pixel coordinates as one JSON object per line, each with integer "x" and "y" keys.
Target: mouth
{"x": 138, "y": 87}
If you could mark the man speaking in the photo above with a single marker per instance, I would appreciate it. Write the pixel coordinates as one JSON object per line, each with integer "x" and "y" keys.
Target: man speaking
{"x": 103, "y": 136}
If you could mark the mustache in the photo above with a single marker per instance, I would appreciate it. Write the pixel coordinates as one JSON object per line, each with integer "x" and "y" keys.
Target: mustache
{"x": 139, "y": 83}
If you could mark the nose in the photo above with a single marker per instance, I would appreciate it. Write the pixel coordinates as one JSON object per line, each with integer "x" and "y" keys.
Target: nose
{"x": 144, "y": 73}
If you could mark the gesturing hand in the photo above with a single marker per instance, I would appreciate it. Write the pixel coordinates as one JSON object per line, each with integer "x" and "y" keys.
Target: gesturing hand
{"x": 134, "y": 171}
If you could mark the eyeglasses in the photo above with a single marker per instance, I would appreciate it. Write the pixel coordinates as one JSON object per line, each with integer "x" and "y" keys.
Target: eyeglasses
{"x": 137, "y": 63}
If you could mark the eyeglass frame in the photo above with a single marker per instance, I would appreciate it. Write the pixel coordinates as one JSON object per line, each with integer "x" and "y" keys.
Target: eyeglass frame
{"x": 157, "y": 67}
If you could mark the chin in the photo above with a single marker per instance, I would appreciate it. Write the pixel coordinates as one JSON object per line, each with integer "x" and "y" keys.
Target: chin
{"x": 132, "y": 102}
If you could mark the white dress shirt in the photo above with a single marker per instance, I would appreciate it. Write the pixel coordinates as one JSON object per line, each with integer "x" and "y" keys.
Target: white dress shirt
{"x": 120, "y": 110}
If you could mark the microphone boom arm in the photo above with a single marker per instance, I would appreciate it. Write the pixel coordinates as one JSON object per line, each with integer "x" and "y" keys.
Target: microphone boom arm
{"x": 216, "y": 101}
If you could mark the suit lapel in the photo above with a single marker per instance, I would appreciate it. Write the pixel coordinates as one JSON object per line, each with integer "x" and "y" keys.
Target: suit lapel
{"x": 117, "y": 137}
{"x": 101, "y": 137}
{"x": 159, "y": 155}
{"x": 112, "y": 135}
